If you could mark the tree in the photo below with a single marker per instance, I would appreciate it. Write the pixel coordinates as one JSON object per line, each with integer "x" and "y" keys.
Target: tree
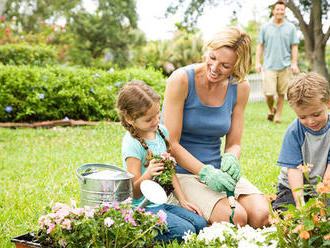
{"x": 315, "y": 12}
{"x": 28, "y": 14}
{"x": 113, "y": 26}
{"x": 315, "y": 39}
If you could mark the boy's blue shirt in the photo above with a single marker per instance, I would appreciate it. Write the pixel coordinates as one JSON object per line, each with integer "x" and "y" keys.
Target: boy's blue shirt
{"x": 303, "y": 145}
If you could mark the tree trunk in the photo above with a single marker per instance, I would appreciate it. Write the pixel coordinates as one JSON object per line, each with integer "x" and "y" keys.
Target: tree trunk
{"x": 315, "y": 39}
{"x": 318, "y": 63}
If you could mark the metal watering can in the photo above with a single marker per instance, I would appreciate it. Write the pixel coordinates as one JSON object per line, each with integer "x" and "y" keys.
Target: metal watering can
{"x": 103, "y": 183}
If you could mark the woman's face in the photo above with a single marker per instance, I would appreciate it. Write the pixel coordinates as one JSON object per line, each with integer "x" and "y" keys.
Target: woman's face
{"x": 220, "y": 63}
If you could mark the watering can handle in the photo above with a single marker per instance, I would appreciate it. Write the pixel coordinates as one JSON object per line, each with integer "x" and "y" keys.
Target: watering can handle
{"x": 82, "y": 179}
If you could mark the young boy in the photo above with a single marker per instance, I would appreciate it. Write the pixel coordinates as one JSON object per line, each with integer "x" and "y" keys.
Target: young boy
{"x": 306, "y": 141}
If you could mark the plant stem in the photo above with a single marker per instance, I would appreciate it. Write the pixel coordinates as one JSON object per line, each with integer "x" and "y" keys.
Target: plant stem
{"x": 139, "y": 236}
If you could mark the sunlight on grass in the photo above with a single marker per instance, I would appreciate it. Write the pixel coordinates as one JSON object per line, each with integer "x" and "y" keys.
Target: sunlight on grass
{"x": 38, "y": 165}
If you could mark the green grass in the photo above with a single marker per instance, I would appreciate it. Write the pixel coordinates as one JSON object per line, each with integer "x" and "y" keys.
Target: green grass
{"x": 37, "y": 166}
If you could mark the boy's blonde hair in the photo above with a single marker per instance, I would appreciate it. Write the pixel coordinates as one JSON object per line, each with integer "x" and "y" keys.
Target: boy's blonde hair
{"x": 133, "y": 101}
{"x": 308, "y": 88}
{"x": 240, "y": 42}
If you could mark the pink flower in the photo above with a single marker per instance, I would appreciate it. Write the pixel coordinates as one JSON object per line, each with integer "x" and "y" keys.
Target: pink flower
{"x": 141, "y": 210}
{"x": 105, "y": 209}
{"x": 77, "y": 211}
{"x": 7, "y": 31}
{"x": 89, "y": 211}
{"x": 57, "y": 206}
{"x": 2, "y": 18}
{"x": 51, "y": 228}
{"x": 108, "y": 222}
{"x": 129, "y": 218}
{"x": 162, "y": 217}
{"x": 66, "y": 224}
{"x": 42, "y": 22}
{"x": 115, "y": 205}
{"x": 165, "y": 155}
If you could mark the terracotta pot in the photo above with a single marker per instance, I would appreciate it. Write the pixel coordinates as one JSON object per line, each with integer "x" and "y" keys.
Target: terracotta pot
{"x": 25, "y": 241}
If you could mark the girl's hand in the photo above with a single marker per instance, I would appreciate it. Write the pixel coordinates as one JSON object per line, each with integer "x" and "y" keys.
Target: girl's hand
{"x": 154, "y": 169}
{"x": 191, "y": 207}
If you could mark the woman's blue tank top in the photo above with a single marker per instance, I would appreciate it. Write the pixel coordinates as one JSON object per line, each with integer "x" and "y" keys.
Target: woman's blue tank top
{"x": 203, "y": 126}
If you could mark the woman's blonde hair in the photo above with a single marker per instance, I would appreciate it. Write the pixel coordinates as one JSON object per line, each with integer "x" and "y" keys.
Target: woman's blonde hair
{"x": 308, "y": 88}
{"x": 240, "y": 42}
{"x": 133, "y": 102}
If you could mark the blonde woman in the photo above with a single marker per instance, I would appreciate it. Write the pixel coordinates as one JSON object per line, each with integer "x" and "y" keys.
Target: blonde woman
{"x": 203, "y": 103}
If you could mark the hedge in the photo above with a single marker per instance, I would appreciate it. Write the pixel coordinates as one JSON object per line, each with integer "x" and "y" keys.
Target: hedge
{"x": 29, "y": 94}
{"x": 23, "y": 54}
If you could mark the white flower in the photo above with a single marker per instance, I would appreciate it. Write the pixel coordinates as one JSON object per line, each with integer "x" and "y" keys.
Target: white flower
{"x": 243, "y": 236}
{"x": 108, "y": 222}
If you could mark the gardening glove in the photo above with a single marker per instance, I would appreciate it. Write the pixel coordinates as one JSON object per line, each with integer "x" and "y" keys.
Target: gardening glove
{"x": 229, "y": 164}
{"x": 216, "y": 179}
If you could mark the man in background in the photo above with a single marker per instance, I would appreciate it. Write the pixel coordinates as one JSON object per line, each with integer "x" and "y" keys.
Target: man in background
{"x": 278, "y": 43}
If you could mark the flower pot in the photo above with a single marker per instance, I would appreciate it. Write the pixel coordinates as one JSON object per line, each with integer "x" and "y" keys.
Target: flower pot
{"x": 25, "y": 241}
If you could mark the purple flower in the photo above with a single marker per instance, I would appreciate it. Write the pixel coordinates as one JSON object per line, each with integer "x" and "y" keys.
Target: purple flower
{"x": 8, "y": 109}
{"x": 41, "y": 96}
{"x": 129, "y": 218}
{"x": 119, "y": 84}
{"x": 92, "y": 90}
{"x": 109, "y": 87}
{"x": 96, "y": 75}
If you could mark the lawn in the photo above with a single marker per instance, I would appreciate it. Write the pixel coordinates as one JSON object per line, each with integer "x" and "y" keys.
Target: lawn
{"x": 38, "y": 165}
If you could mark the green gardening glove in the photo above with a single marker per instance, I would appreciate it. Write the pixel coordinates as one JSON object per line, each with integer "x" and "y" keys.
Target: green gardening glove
{"x": 229, "y": 164}
{"x": 216, "y": 179}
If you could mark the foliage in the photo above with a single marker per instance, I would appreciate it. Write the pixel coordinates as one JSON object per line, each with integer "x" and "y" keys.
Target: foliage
{"x": 48, "y": 37}
{"x": 108, "y": 225}
{"x": 19, "y": 54}
{"x": 112, "y": 26}
{"x": 165, "y": 179}
{"x": 307, "y": 225}
{"x": 225, "y": 234}
{"x": 54, "y": 93}
{"x": 86, "y": 36}
{"x": 184, "y": 49}
{"x": 28, "y": 14}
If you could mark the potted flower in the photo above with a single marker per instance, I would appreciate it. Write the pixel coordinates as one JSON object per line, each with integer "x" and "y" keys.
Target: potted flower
{"x": 107, "y": 225}
{"x": 165, "y": 179}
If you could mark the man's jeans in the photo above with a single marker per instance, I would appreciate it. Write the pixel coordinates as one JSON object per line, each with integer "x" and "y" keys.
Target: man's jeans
{"x": 179, "y": 221}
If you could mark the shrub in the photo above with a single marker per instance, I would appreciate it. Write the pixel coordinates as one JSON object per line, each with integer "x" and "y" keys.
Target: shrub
{"x": 22, "y": 54}
{"x": 53, "y": 93}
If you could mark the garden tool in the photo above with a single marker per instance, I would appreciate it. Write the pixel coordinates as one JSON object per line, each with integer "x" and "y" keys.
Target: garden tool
{"x": 152, "y": 192}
